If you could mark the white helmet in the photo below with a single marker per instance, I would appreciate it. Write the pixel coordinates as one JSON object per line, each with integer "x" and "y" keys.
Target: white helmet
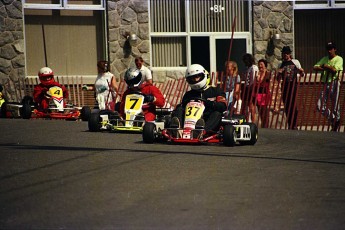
{"x": 133, "y": 77}
{"x": 46, "y": 75}
{"x": 194, "y": 71}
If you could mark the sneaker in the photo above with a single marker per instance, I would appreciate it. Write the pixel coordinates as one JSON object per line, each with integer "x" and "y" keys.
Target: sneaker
{"x": 199, "y": 126}
{"x": 335, "y": 126}
{"x": 175, "y": 123}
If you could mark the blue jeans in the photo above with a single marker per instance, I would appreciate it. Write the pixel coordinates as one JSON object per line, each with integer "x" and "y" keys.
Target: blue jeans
{"x": 330, "y": 91}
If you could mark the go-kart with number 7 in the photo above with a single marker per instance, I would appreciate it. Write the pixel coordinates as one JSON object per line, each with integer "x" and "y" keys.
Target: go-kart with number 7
{"x": 134, "y": 117}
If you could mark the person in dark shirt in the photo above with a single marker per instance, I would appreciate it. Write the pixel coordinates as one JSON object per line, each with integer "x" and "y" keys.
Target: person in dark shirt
{"x": 288, "y": 71}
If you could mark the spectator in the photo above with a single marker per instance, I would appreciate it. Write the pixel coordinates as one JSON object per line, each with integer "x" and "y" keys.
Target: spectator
{"x": 263, "y": 92}
{"x": 232, "y": 83}
{"x": 145, "y": 72}
{"x": 41, "y": 91}
{"x": 105, "y": 87}
{"x": 249, "y": 92}
{"x": 330, "y": 66}
{"x": 288, "y": 72}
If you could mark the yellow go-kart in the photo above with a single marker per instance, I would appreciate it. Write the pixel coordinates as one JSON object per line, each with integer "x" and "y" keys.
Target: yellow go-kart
{"x": 105, "y": 120}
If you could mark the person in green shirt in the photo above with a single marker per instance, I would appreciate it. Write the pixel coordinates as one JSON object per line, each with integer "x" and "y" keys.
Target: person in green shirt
{"x": 330, "y": 67}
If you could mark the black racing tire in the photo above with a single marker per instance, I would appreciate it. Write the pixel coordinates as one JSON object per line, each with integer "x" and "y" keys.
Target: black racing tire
{"x": 94, "y": 122}
{"x": 149, "y": 131}
{"x": 85, "y": 113}
{"x": 229, "y": 134}
{"x": 253, "y": 134}
{"x": 25, "y": 111}
{"x": 28, "y": 100}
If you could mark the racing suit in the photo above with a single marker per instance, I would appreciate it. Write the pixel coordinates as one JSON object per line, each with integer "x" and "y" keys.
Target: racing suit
{"x": 215, "y": 105}
{"x": 42, "y": 98}
{"x": 149, "y": 109}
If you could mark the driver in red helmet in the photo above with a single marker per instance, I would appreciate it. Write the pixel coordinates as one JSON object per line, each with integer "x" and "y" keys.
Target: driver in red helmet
{"x": 41, "y": 96}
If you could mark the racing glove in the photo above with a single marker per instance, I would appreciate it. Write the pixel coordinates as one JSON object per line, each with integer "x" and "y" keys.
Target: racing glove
{"x": 149, "y": 98}
{"x": 209, "y": 104}
{"x": 47, "y": 94}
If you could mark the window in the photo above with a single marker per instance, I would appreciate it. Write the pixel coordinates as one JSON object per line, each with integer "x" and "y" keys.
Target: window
{"x": 310, "y": 41}
{"x": 69, "y": 41}
{"x": 318, "y": 4}
{"x": 183, "y": 28}
{"x": 64, "y": 4}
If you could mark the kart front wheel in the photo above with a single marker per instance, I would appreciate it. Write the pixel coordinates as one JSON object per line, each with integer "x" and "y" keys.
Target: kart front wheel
{"x": 3, "y": 110}
{"x": 94, "y": 122}
{"x": 253, "y": 133}
{"x": 229, "y": 134}
{"x": 85, "y": 113}
{"x": 149, "y": 131}
{"x": 25, "y": 111}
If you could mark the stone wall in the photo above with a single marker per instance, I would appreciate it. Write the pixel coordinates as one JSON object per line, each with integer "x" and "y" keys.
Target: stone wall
{"x": 12, "y": 59}
{"x": 270, "y": 17}
{"x": 127, "y": 17}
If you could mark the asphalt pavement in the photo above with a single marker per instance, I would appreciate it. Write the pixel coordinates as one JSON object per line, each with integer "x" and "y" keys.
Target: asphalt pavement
{"x": 58, "y": 175}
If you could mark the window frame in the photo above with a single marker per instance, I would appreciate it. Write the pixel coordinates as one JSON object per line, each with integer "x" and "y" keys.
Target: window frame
{"x": 188, "y": 34}
{"x": 329, "y": 4}
{"x": 64, "y": 5}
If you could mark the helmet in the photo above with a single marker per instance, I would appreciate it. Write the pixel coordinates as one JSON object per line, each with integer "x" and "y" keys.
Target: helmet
{"x": 133, "y": 77}
{"x": 46, "y": 75}
{"x": 194, "y": 71}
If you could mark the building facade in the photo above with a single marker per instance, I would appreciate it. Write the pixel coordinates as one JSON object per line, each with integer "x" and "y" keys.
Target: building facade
{"x": 70, "y": 36}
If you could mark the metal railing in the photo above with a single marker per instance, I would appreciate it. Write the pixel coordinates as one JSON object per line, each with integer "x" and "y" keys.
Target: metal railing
{"x": 281, "y": 110}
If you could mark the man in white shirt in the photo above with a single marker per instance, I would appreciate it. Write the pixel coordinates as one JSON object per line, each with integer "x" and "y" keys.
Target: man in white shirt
{"x": 145, "y": 72}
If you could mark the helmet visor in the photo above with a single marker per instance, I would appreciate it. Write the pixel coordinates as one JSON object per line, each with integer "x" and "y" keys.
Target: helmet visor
{"x": 134, "y": 81}
{"x": 46, "y": 78}
{"x": 195, "y": 78}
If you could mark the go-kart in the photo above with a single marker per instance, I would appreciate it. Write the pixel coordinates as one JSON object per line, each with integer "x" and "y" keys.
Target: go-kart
{"x": 57, "y": 109}
{"x": 134, "y": 120}
{"x": 232, "y": 129}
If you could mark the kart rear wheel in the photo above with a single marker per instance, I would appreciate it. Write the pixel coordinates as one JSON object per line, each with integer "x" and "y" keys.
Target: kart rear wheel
{"x": 94, "y": 122}
{"x": 85, "y": 113}
{"x": 28, "y": 100}
{"x": 25, "y": 111}
{"x": 253, "y": 134}
{"x": 149, "y": 132}
{"x": 229, "y": 135}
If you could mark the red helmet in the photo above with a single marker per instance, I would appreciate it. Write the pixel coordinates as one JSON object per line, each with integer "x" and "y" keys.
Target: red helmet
{"x": 46, "y": 75}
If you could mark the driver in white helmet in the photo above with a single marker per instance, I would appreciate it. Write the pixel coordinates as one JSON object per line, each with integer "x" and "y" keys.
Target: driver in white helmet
{"x": 46, "y": 77}
{"x": 215, "y": 102}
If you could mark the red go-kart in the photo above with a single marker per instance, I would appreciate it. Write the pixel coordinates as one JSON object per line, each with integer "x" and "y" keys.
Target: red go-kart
{"x": 232, "y": 130}
{"x": 58, "y": 109}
